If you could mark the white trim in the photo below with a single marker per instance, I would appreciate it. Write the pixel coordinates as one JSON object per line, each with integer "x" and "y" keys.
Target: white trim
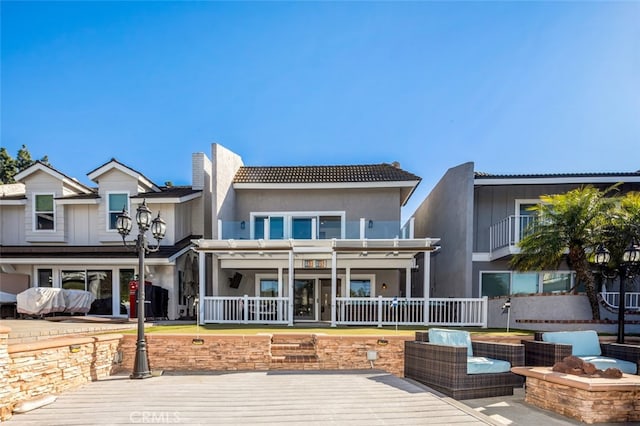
{"x": 168, "y": 200}
{"x": 555, "y": 180}
{"x": 20, "y": 202}
{"x": 78, "y": 201}
{"x": 521, "y": 201}
{"x": 330, "y": 185}
{"x": 33, "y": 213}
{"x": 481, "y": 257}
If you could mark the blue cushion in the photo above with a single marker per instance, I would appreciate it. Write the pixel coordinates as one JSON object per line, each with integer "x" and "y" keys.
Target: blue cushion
{"x": 603, "y": 362}
{"x": 482, "y": 365}
{"x": 583, "y": 343}
{"x": 451, "y": 338}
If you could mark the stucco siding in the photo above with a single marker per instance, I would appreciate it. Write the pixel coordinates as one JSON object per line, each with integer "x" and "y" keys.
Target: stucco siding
{"x": 446, "y": 213}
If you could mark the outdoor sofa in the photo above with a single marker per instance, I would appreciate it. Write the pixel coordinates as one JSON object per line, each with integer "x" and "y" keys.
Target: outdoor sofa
{"x": 547, "y": 348}
{"x": 449, "y": 362}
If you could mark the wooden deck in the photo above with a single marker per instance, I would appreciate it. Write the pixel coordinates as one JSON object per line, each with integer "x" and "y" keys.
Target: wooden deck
{"x": 309, "y": 398}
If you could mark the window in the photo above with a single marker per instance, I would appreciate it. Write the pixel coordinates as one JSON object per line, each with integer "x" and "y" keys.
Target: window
{"x": 45, "y": 278}
{"x": 301, "y": 228}
{"x": 276, "y": 227}
{"x": 553, "y": 282}
{"x": 329, "y": 227}
{"x": 495, "y": 284}
{"x": 117, "y": 202}
{"x": 524, "y": 283}
{"x": 44, "y": 212}
{"x": 268, "y": 288}
{"x": 360, "y": 288}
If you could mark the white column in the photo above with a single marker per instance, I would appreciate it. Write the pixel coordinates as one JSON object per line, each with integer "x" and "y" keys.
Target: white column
{"x": 408, "y": 282}
{"x": 427, "y": 285}
{"x": 201, "y": 285}
{"x": 334, "y": 287}
{"x": 290, "y": 288}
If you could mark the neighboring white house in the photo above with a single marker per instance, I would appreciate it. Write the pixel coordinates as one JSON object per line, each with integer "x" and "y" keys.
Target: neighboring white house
{"x": 61, "y": 233}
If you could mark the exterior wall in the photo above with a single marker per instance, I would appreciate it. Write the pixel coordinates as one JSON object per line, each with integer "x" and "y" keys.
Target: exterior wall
{"x": 378, "y": 204}
{"x": 551, "y": 312}
{"x": 82, "y": 224}
{"x": 225, "y": 165}
{"x": 12, "y": 225}
{"x": 202, "y": 207}
{"x": 49, "y": 367}
{"x": 447, "y": 214}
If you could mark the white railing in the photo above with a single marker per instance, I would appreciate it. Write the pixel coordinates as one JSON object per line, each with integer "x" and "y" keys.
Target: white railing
{"x": 509, "y": 231}
{"x": 351, "y": 311}
{"x": 612, "y": 299}
{"x": 402, "y": 311}
{"x": 246, "y": 310}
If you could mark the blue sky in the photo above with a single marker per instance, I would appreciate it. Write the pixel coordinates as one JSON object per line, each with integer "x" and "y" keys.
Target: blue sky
{"x": 516, "y": 87}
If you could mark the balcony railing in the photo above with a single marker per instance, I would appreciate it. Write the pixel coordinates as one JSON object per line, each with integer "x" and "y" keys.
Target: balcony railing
{"x": 612, "y": 299}
{"x": 509, "y": 231}
{"x": 353, "y": 230}
{"x": 351, "y": 311}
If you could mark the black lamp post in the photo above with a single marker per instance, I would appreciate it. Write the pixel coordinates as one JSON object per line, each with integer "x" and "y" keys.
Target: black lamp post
{"x": 626, "y": 270}
{"x": 158, "y": 228}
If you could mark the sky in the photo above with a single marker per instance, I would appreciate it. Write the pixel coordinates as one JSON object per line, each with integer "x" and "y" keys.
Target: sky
{"x": 514, "y": 86}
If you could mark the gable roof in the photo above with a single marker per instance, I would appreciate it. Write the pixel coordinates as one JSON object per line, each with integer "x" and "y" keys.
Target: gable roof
{"x": 324, "y": 174}
{"x": 39, "y": 166}
{"x": 555, "y": 178}
{"x": 95, "y": 174}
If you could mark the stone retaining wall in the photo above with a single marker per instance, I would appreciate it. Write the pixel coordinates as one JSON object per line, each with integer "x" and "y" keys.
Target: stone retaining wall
{"x": 51, "y": 366}
{"x": 237, "y": 352}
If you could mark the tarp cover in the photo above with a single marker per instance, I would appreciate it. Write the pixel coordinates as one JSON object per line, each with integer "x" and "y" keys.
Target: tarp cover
{"x": 46, "y": 300}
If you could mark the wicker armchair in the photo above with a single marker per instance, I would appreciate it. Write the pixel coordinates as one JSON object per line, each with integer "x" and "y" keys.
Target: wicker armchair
{"x": 539, "y": 353}
{"x": 444, "y": 368}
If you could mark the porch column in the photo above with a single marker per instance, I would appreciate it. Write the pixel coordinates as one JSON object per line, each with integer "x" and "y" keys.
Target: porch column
{"x": 290, "y": 288}
{"x": 202, "y": 257}
{"x": 407, "y": 284}
{"x": 427, "y": 285}
{"x": 334, "y": 287}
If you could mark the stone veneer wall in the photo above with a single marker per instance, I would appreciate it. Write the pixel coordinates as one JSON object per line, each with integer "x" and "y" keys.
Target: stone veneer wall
{"x": 49, "y": 367}
{"x": 237, "y": 352}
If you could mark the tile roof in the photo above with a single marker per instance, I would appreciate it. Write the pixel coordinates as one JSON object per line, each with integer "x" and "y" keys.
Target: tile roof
{"x": 324, "y": 174}
{"x": 483, "y": 175}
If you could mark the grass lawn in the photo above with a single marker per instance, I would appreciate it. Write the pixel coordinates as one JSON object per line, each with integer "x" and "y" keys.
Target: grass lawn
{"x": 337, "y": 331}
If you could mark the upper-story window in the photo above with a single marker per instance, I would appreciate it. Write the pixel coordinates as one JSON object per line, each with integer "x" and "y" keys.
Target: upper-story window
{"x": 301, "y": 226}
{"x": 117, "y": 202}
{"x": 44, "y": 212}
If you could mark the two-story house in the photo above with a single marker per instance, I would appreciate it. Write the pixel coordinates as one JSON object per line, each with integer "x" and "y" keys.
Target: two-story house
{"x": 60, "y": 233}
{"x": 485, "y": 216}
{"x": 309, "y": 243}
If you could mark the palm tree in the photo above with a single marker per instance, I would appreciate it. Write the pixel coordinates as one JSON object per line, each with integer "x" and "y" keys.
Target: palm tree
{"x": 568, "y": 225}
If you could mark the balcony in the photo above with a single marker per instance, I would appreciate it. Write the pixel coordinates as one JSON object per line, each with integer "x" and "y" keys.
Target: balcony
{"x": 350, "y": 230}
{"x": 505, "y": 235}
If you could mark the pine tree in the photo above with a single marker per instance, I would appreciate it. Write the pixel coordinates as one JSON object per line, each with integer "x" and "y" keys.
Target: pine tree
{"x": 8, "y": 168}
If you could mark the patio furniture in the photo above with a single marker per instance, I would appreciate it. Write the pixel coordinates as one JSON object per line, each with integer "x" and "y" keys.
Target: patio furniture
{"x": 449, "y": 362}
{"x": 550, "y": 347}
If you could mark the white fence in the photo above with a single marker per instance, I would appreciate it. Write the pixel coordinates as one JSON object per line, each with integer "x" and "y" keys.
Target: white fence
{"x": 402, "y": 311}
{"x": 352, "y": 311}
{"x": 631, "y": 300}
{"x": 246, "y": 310}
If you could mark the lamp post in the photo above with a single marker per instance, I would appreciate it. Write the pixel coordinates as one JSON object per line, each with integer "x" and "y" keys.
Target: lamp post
{"x": 626, "y": 270}
{"x": 158, "y": 228}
